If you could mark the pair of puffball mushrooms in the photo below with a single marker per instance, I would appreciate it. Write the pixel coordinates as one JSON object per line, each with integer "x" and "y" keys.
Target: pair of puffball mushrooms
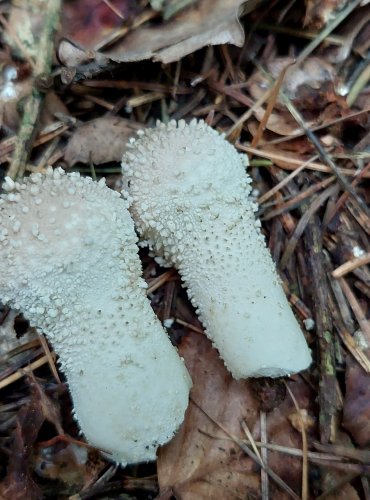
{"x": 69, "y": 262}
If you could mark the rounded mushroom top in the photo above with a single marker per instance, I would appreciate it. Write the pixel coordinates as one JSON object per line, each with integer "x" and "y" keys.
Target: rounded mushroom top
{"x": 187, "y": 162}
{"x": 64, "y": 240}
{"x": 175, "y": 174}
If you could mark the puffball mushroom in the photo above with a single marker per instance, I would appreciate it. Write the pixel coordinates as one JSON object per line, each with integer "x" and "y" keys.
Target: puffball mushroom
{"x": 189, "y": 195}
{"x": 69, "y": 262}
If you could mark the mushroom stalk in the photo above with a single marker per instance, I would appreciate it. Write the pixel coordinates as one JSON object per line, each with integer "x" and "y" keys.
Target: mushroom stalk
{"x": 69, "y": 262}
{"x": 189, "y": 195}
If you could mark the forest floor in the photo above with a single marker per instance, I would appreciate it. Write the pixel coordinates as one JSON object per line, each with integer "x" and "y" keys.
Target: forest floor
{"x": 288, "y": 85}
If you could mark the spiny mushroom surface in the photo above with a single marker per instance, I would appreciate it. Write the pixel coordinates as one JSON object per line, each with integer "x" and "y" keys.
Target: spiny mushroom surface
{"x": 69, "y": 262}
{"x": 189, "y": 195}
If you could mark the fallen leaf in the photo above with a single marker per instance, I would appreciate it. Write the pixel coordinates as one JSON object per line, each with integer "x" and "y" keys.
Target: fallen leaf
{"x": 100, "y": 140}
{"x": 202, "y": 461}
{"x": 280, "y": 431}
{"x": 356, "y": 409}
{"x": 280, "y": 122}
{"x": 209, "y": 22}
{"x": 307, "y": 84}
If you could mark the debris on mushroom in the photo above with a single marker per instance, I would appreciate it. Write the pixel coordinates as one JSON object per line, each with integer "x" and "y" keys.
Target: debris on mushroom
{"x": 189, "y": 195}
{"x": 69, "y": 262}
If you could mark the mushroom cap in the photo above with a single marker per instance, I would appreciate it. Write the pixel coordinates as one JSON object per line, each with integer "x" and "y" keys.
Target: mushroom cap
{"x": 69, "y": 262}
{"x": 45, "y": 220}
{"x": 189, "y": 195}
{"x": 176, "y": 169}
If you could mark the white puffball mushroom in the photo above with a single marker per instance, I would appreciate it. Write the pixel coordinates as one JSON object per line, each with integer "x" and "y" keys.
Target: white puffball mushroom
{"x": 69, "y": 262}
{"x": 189, "y": 195}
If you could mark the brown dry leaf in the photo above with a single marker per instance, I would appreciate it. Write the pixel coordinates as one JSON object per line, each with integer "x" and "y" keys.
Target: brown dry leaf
{"x": 308, "y": 85}
{"x": 356, "y": 410}
{"x": 209, "y": 22}
{"x": 101, "y": 140}
{"x": 196, "y": 464}
{"x": 202, "y": 462}
{"x": 279, "y": 122}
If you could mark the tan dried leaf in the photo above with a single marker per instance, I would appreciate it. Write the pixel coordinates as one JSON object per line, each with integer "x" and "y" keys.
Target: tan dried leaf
{"x": 209, "y": 22}
{"x": 100, "y": 140}
{"x": 306, "y": 84}
{"x": 202, "y": 461}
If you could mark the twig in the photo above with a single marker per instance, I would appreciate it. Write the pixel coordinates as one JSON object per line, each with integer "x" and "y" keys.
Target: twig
{"x": 327, "y": 389}
{"x": 24, "y": 371}
{"x": 159, "y": 281}
{"x": 302, "y": 224}
{"x": 322, "y": 126}
{"x": 298, "y": 199}
{"x": 356, "y": 308}
{"x": 325, "y": 157}
{"x": 351, "y": 265}
{"x": 189, "y": 325}
{"x": 274, "y": 93}
{"x": 50, "y": 357}
{"x": 358, "y": 85}
{"x": 34, "y": 102}
{"x": 290, "y": 163}
{"x": 264, "y": 456}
